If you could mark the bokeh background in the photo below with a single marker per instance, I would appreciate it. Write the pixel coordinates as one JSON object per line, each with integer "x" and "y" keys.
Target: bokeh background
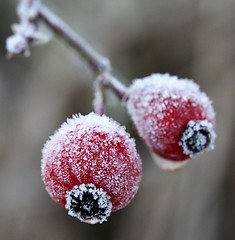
{"x": 189, "y": 38}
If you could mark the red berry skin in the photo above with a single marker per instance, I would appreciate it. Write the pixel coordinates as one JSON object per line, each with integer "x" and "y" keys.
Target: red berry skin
{"x": 161, "y": 107}
{"x": 93, "y": 150}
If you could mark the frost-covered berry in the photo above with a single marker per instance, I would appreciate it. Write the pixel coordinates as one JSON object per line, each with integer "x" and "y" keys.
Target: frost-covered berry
{"x": 90, "y": 166}
{"x": 173, "y": 117}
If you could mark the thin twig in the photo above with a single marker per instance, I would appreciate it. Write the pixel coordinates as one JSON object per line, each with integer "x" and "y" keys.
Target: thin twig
{"x": 99, "y": 64}
{"x": 26, "y": 32}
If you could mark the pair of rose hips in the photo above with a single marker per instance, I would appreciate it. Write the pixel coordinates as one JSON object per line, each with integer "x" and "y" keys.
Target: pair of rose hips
{"x": 90, "y": 165}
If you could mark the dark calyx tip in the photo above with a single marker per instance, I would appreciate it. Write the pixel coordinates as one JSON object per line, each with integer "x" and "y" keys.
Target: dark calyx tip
{"x": 88, "y": 203}
{"x": 196, "y": 137}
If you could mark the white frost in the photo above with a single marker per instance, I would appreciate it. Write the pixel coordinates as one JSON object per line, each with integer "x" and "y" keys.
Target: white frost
{"x": 169, "y": 87}
{"x": 16, "y": 44}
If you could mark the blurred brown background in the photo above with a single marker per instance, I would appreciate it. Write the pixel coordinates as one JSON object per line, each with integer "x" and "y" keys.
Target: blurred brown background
{"x": 189, "y": 38}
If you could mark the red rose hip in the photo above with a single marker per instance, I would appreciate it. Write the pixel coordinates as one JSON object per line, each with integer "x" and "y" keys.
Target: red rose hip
{"x": 90, "y": 166}
{"x": 173, "y": 117}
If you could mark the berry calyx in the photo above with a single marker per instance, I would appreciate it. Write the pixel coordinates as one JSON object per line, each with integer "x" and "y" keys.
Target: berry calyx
{"x": 91, "y": 167}
{"x": 172, "y": 116}
{"x": 88, "y": 203}
{"x": 196, "y": 137}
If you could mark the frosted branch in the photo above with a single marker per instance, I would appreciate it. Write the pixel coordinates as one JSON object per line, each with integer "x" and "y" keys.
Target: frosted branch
{"x": 99, "y": 64}
{"x": 26, "y": 31}
{"x": 30, "y": 13}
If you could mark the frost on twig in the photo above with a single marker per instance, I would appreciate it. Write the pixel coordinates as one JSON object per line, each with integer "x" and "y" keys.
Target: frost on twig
{"x": 99, "y": 98}
{"x": 26, "y": 31}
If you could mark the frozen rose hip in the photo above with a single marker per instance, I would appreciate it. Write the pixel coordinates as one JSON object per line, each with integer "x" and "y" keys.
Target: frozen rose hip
{"x": 90, "y": 166}
{"x": 172, "y": 116}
